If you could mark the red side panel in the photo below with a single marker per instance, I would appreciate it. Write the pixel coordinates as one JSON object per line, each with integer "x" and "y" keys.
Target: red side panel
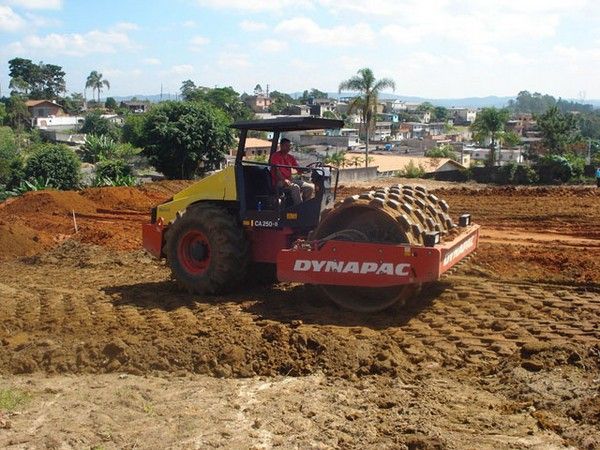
{"x": 359, "y": 264}
{"x": 266, "y": 243}
{"x": 369, "y": 264}
{"x": 465, "y": 244}
{"x": 152, "y": 237}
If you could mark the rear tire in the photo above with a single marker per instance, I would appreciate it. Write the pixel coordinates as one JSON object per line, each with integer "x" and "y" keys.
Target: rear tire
{"x": 207, "y": 250}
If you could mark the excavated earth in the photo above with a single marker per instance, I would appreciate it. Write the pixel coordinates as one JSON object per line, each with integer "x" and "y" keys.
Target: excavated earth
{"x": 104, "y": 351}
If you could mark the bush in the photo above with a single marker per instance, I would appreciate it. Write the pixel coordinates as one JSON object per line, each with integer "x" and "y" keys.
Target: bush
{"x": 444, "y": 151}
{"x": 525, "y": 175}
{"x": 554, "y": 168}
{"x": 94, "y": 123}
{"x": 513, "y": 173}
{"x": 113, "y": 168}
{"x": 54, "y": 162}
{"x": 97, "y": 147}
{"x": 412, "y": 170}
{"x": 8, "y": 154}
{"x": 133, "y": 129}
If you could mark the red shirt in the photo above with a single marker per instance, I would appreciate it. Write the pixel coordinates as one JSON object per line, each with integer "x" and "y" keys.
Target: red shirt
{"x": 284, "y": 160}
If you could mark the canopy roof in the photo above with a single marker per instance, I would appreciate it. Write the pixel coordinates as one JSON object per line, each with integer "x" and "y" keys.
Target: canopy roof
{"x": 289, "y": 124}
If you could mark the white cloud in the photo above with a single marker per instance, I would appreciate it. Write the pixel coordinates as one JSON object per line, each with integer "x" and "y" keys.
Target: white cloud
{"x": 75, "y": 44}
{"x": 250, "y": 25}
{"x": 233, "y": 60}
{"x": 272, "y": 45}
{"x": 126, "y": 26}
{"x": 37, "y": 4}
{"x": 189, "y": 24}
{"x": 307, "y": 30}
{"x": 152, "y": 61}
{"x": 180, "y": 70}
{"x": 253, "y": 5}
{"x": 9, "y": 20}
{"x": 198, "y": 42}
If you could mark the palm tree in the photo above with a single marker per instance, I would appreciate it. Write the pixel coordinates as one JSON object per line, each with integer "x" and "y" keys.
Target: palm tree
{"x": 490, "y": 123}
{"x": 369, "y": 88}
{"x": 95, "y": 81}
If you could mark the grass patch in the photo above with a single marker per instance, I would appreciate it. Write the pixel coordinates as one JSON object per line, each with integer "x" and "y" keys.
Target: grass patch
{"x": 11, "y": 399}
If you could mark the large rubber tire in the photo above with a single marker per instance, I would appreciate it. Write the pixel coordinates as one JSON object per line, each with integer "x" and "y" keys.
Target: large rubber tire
{"x": 207, "y": 250}
{"x": 397, "y": 214}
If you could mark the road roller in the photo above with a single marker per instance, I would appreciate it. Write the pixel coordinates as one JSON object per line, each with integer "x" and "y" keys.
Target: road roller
{"x": 366, "y": 252}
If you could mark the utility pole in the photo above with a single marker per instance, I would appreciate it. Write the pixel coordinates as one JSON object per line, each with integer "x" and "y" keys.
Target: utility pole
{"x": 161, "y": 91}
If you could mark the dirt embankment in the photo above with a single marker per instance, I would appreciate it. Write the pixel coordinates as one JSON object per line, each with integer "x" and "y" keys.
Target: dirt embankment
{"x": 503, "y": 352}
{"x": 109, "y": 217}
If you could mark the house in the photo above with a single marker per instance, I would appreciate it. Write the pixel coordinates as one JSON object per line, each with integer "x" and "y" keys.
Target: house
{"x": 504, "y": 156}
{"x": 319, "y": 106}
{"x": 395, "y": 106}
{"x": 44, "y": 108}
{"x": 137, "y": 107}
{"x": 463, "y": 116}
{"x": 383, "y": 131}
{"x": 297, "y": 110}
{"x": 390, "y": 165}
{"x": 258, "y": 103}
{"x": 255, "y": 147}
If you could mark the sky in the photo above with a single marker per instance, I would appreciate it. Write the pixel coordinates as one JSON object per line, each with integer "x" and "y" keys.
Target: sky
{"x": 433, "y": 48}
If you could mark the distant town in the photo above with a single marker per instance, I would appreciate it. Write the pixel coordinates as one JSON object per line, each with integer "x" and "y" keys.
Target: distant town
{"x": 538, "y": 137}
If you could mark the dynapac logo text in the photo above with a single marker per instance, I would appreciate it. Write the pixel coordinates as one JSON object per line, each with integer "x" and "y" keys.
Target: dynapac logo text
{"x": 459, "y": 251}
{"x": 306, "y": 265}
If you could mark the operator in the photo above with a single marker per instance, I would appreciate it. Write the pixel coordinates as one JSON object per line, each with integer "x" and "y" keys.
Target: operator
{"x": 282, "y": 176}
{"x": 598, "y": 177}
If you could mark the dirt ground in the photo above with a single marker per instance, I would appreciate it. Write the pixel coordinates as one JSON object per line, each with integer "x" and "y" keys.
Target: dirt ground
{"x": 99, "y": 349}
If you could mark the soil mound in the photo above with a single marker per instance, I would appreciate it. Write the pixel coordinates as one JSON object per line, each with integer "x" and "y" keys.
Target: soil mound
{"x": 49, "y": 202}
{"x": 19, "y": 240}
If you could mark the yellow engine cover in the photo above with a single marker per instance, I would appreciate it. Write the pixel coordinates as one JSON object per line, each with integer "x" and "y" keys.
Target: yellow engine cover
{"x": 218, "y": 186}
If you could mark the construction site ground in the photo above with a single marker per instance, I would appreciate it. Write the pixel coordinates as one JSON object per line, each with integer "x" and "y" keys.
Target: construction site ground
{"x": 100, "y": 349}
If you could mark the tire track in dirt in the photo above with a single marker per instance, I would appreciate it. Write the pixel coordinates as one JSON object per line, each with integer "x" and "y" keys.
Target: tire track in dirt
{"x": 125, "y": 326}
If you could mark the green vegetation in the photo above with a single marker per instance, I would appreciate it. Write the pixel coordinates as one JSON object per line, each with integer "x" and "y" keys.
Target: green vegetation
{"x": 490, "y": 123}
{"x": 186, "y": 139}
{"x": 559, "y": 130}
{"x": 412, "y": 171}
{"x": 443, "y": 151}
{"x": 96, "y": 82}
{"x": 56, "y": 163}
{"x": 13, "y": 399}
{"x": 366, "y": 103}
{"x": 95, "y": 124}
{"x": 336, "y": 159}
{"x": 39, "y": 81}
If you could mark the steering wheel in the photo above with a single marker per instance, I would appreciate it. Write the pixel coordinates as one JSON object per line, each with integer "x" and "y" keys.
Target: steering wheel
{"x": 315, "y": 164}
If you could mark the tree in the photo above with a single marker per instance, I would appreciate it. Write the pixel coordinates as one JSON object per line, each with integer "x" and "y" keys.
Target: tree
{"x": 111, "y": 104}
{"x": 280, "y": 101}
{"x": 184, "y": 139}
{"x": 258, "y": 90}
{"x": 8, "y": 154}
{"x": 369, "y": 88}
{"x": 39, "y": 81}
{"x": 441, "y": 114}
{"x": 558, "y": 130}
{"x": 73, "y": 104}
{"x": 488, "y": 124}
{"x": 94, "y": 123}
{"x": 95, "y": 81}
{"x": 17, "y": 114}
{"x": 226, "y": 99}
{"x": 188, "y": 87}
{"x": 2, "y": 113}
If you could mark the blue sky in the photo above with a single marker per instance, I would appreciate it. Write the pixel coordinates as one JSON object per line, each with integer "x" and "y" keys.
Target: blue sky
{"x": 434, "y": 48}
